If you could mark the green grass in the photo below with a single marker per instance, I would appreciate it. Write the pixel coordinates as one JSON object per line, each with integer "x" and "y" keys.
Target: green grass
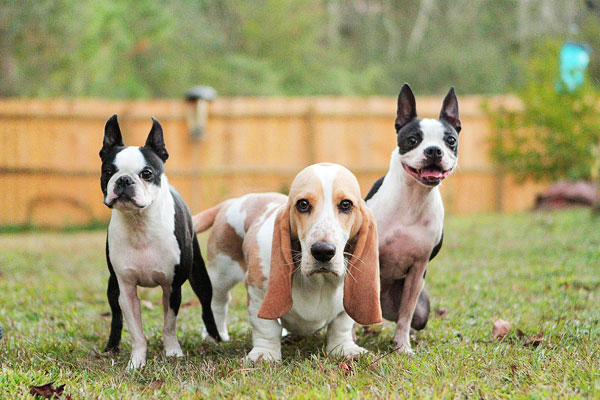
{"x": 539, "y": 271}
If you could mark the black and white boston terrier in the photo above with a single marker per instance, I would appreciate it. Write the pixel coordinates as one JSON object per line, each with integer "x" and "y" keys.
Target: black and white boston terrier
{"x": 409, "y": 211}
{"x": 150, "y": 242}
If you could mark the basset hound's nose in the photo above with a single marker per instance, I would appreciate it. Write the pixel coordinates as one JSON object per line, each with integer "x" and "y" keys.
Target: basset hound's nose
{"x": 322, "y": 251}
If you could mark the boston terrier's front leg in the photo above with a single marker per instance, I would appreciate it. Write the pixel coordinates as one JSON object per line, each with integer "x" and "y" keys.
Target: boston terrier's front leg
{"x": 171, "y": 300}
{"x": 130, "y": 304}
{"x": 413, "y": 285}
{"x": 116, "y": 325}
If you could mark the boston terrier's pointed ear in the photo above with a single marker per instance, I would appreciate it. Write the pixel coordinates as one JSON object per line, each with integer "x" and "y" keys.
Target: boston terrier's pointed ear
{"x": 112, "y": 136}
{"x": 156, "y": 142}
{"x": 407, "y": 108}
{"x": 449, "y": 111}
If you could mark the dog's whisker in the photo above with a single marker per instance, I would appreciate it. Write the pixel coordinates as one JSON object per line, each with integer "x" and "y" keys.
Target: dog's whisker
{"x": 352, "y": 256}
{"x": 351, "y": 276}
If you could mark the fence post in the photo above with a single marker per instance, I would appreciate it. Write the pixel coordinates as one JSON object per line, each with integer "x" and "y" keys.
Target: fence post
{"x": 310, "y": 132}
{"x": 499, "y": 194}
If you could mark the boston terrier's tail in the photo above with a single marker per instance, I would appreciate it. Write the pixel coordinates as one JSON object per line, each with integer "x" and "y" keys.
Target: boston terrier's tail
{"x": 201, "y": 285}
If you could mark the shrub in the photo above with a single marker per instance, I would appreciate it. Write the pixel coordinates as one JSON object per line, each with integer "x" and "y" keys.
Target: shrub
{"x": 555, "y": 134}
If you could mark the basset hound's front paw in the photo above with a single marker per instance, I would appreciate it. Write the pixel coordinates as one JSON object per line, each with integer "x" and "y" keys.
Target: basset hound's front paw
{"x": 348, "y": 350}
{"x": 263, "y": 354}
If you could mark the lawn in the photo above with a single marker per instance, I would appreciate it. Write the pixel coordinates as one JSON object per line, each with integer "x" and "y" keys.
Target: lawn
{"x": 538, "y": 271}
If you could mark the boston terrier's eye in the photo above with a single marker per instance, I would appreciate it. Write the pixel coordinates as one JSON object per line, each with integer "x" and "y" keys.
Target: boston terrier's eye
{"x": 451, "y": 140}
{"x": 146, "y": 174}
{"x": 411, "y": 141}
{"x": 345, "y": 206}
{"x": 108, "y": 171}
{"x": 303, "y": 206}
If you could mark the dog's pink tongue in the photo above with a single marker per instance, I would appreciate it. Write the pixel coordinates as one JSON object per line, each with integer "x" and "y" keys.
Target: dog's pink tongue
{"x": 430, "y": 172}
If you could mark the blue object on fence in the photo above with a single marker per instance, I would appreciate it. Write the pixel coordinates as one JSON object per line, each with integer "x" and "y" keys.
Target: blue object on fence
{"x": 574, "y": 59}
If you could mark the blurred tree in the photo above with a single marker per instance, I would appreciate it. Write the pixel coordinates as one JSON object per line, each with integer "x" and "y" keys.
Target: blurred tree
{"x": 148, "y": 48}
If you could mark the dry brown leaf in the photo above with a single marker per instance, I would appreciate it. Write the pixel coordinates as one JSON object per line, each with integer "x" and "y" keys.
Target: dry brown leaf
{"x": 441, "y": 312}
{"x": 346, "y": 368}
{"x": 190, "y": 303}
{"x": 520, "y": 333}
{"x": 47, "y": 391}
{"x": 147, "y": 304}
{"x": 534, "y": 340}
{"x": 501, "y": 329}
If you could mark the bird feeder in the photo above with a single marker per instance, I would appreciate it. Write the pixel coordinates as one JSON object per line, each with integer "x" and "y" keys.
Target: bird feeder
{"x": 197, "y": 99}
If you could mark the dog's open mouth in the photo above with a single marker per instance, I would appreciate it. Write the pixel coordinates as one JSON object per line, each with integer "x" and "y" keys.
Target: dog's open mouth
{"x": 430, "y": 175}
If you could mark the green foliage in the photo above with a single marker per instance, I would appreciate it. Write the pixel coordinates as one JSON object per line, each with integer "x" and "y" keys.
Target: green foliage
{"x": 554, "y": 135}
{"x": 148, "y": 48}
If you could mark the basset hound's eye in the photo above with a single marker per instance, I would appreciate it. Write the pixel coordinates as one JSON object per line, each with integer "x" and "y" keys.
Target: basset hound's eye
{"x": 303, "y": 206}
{"x": 345, "y": 206}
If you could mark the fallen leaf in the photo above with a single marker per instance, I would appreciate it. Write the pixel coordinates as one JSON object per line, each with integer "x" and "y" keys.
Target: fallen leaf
{"x": 321, "y": 368}
{"x": 520, "y": 333}
{"x": 47, "y": 391}
{"x": 501, "y": 329}
{"x": 346, "y": 368}
{"x": 148, "y": 304}
{"x": 190, "y": 303}
{"x": 566, "y": 286}
{"x": 534, "y": 340}
{"x": 441, "y": 312}
{"x": 105, "y": 314}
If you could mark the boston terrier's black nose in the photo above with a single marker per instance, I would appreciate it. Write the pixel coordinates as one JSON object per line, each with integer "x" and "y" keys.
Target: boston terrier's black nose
{"x": 124, "y": 181}
{"x": 322, "y": 251}
{"x": 433, "y": 153}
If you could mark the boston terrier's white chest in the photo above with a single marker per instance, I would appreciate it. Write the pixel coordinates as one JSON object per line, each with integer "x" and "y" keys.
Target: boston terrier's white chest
{"x": 401, "y": 246}
{"x": 405, "y": 237}
{"x": 144, "y": 252}
{"x": 150, "y": 265}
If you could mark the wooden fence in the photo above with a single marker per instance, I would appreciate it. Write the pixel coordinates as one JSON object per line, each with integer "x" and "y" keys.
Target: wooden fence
{"x": 49, "y": 164}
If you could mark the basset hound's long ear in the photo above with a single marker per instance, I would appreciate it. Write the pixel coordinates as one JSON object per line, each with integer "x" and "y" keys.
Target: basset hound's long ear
{"x": 361, "y": 285}
{"x": 278, "y": 299}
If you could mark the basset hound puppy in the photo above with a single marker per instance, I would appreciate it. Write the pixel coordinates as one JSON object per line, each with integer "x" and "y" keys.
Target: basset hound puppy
{"x": 309, "y": 260}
